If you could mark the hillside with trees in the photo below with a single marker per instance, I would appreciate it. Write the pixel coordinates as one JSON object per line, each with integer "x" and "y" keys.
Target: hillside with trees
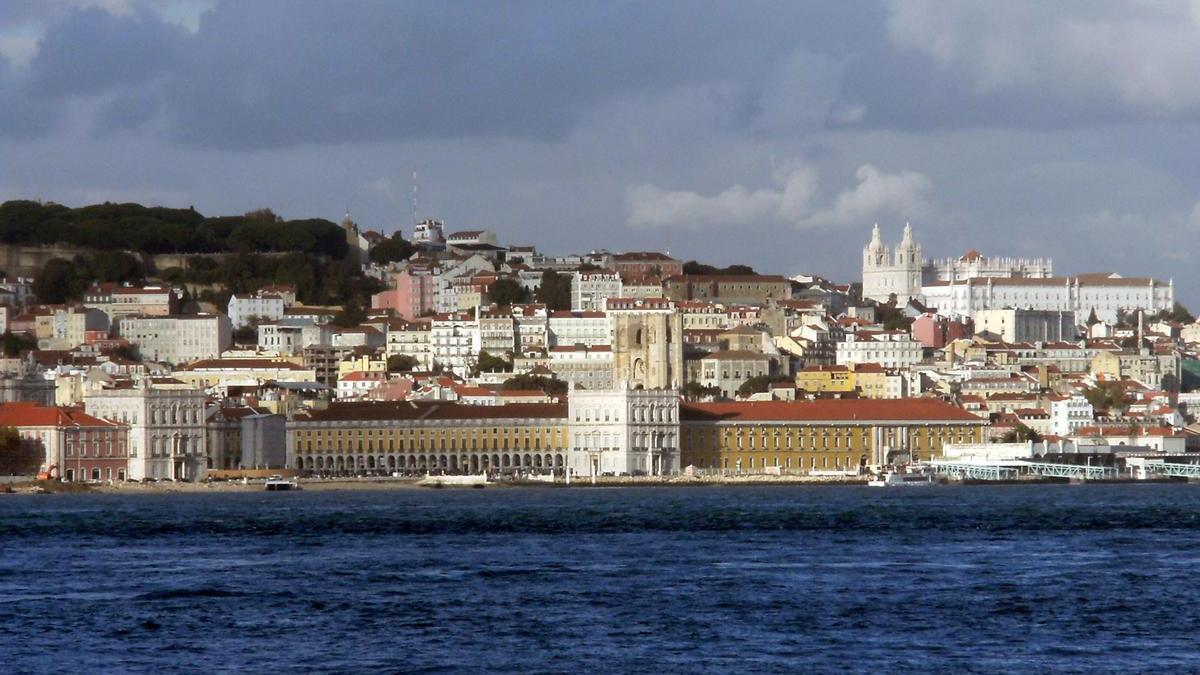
{"x": 156, "y": 229}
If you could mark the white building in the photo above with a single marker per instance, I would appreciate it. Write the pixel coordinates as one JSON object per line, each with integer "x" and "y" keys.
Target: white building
{"x": 454, "y": 341}
{"x": 588, "y": 367}
{"x": 587, "y": 328}
{"x": 892, "y": 350}
{"x": 1026, "y": 325}
{"x": 729, "y": 370}
{"x": 1068, "y": 414}
{"x": 245, "y": 308}
{"x": 277, "y": 337}
{"x": 178, "y": 339}
{"x": 73, "y": 326}
{"x": 410, "y": 339}
{"x": 905, "y": 272}
{"x": 358, "y": 384}
{"x": 617, "y": 432}
{"x": 1106, "y": 294}
{"x": 589, "y": 290}
{"x": 430, "y": 235}
{"x": 166, "y": 420}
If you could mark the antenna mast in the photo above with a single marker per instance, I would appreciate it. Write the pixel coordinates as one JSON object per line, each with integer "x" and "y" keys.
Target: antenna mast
{"x": 414, "y": 197}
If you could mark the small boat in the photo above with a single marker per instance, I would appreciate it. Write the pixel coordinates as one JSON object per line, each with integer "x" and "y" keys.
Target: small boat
{"x": 468, "y": 481}
{"x": 897, "y": 479}
{"x": 279, "y": 483}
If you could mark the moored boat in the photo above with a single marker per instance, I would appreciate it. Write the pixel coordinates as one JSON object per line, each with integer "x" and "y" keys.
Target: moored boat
{"x": 898, "y": 479}
{"x": 280, "y": 484}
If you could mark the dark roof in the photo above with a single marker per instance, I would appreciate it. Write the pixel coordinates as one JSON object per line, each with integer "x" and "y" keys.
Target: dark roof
{"x": 413, "y": 410}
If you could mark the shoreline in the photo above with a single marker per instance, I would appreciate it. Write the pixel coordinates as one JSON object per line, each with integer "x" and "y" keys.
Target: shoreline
{"x": 390, "y": 484}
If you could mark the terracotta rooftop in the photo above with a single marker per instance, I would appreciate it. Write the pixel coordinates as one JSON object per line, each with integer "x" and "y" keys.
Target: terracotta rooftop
{"x": 429, "y": 411}
{"x": 833, "y": 410}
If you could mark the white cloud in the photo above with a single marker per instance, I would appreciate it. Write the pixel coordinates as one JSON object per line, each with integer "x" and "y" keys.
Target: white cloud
{"x": 878, "y": 195}
{"x": 794, "y": 202}
{"x": 1142, "y": 54}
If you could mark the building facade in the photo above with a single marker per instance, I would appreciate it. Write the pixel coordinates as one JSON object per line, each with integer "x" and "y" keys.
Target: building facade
{"x": 178, "y": 339}
{"x": 166, "y": 421}
{"x": 624, "y": 432}
{"x": 846, "y": 436}
{"x": 647, "y": 343}
{"x": 904, "y": 272}
{"x": 386, "y": 437}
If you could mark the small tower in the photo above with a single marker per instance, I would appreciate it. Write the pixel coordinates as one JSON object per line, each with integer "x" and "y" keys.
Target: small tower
{"x": 875, "y": 254}
{"x": 908, "y": 266}
{"x": 877, "y": 268}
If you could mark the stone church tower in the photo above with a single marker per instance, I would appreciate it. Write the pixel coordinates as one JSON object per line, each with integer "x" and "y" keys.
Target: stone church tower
{"x": 647, "y": 343}
{"x": 885, "y": 274}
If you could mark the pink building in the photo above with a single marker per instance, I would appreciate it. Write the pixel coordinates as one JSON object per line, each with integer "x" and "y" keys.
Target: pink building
{"x": 935, "y": 332}
{"x": 411, "y": 295}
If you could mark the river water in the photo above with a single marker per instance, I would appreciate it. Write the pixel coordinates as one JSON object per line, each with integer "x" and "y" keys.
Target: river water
{"x": 706, "y": 579}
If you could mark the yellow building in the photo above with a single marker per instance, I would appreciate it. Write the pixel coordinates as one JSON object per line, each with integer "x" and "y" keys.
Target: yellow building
{"x": 827, "y": 435}
{"x": 870, "y": 380}
{"x": 362, "y": 363}
{"x": 821, "y": 379}
{"x": 429, "y": 436}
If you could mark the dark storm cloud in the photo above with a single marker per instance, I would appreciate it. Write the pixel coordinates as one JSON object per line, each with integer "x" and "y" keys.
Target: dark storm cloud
{"x": 272, "y": 74}
{"x": 92, "y": 52}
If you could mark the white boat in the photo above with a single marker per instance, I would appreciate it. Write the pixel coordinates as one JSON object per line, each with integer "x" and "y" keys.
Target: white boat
{"x": 469, "y": 481}
{"x": 897, "y": 479}
{"x": 279, "y": 483}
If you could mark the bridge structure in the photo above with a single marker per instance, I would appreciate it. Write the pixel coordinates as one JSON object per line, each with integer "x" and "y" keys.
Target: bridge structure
{"x": 1174, "y": 470}
{"x": 1017, "y": 468}
{"x": 1070, "y": 470}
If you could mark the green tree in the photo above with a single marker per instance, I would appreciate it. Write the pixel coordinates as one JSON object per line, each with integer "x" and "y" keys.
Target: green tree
{"x": 17, "y": 458}
{"x": 116, "y": 266}
{"x": 352, "y": 314}
{"x": 14, "y": 343}
{"x": 507, "y": 292}
{"x": 1177, "y": 313}
{"x": 1106, "y": 397}
{"x": 1021, "y": 434}
{"x": 693, "y": 267}
{"x": 402, "y": 363}
{"x": 694, "y": 391}
{"x": 125, "y": 352}
{"x": 491, "y": 364}
{"x": 1092, "y": 319}
{"x": 58, "y": 282}
{"x": 245, "y": 335}
{"x": 554, "y": 291}
{"x": 392, "y": 249}
{"x": 759, "y": 384}
{"x": 526, "y": 382}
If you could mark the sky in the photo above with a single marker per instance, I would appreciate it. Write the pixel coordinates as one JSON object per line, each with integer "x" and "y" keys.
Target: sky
{"x": 773, "y": 134}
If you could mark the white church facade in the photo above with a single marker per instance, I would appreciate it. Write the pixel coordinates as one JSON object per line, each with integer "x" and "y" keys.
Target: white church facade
{"x": 963, "y": 286}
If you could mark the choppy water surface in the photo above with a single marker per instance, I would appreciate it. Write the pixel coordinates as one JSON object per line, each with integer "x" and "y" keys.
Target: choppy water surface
{"x": 984, "y": 579}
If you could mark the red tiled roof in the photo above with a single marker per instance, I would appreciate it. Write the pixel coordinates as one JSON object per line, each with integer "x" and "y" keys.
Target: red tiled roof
{"x": 405, "y": 410}
{"x": 899, "y": 410}
{"x": 25, "y": 414}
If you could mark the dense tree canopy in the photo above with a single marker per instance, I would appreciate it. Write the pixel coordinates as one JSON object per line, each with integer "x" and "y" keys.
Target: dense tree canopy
{"x": 491, "y": 364}
{"x": 527, "y": 382}
{"x": 555, "y": 291}
{"x": 693, "y": 267}
{"x": 133, "y": 227}
{"x": 59, "y": 281}
{"x": 507, "y": 292}
{"x": 393, "y": 249}
{"x": 760, "y": 383}
{"x": 402, "y": 363}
